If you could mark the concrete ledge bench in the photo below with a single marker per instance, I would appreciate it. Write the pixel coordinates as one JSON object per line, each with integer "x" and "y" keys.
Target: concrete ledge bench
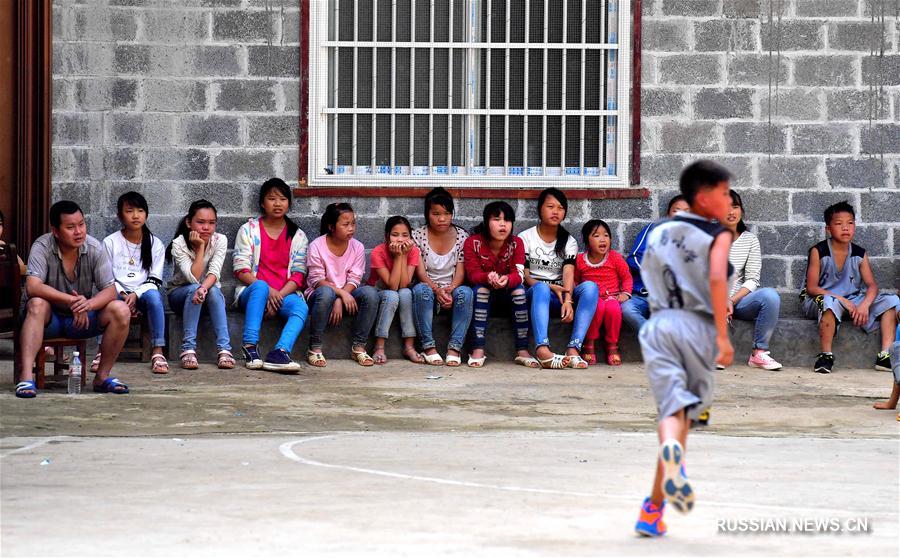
{"x": 795, "y": 343}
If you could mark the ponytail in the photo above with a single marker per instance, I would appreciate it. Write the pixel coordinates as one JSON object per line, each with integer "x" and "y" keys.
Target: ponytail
{"x": 146, "y": 248}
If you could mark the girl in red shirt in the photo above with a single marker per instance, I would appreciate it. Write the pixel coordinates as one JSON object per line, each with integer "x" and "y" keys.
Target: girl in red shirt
{"x": 606, "y": 268}
{"x": 494, "y": 259}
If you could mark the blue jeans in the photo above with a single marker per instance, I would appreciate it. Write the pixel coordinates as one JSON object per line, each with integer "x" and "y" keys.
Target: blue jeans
{"x": 387, "y": 308}
{"x": 151, "y": 304}
{"x": 484, "y": 296}
{"x": 181, "y": 301}
{"x": 293, "y": 309}
{"x": 636, "y": 311}
{"x": 321, "y": 302}
{"x": 543, "y": 300}
{"x": 425, "y": 305}
{"x": 763, "y": 306}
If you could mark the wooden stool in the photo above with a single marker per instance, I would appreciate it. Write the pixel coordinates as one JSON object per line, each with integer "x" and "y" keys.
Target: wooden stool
{"x": 59, "y": 345}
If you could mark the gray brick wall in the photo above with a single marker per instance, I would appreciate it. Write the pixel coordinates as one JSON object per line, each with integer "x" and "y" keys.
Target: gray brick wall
{"x": 706, "y": 92}
{"x": 186, "y": 99}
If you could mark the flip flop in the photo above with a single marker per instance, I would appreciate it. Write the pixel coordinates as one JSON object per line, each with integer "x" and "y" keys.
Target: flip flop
{"x": 111, "y": 385}
{"x": 23, "y": 387}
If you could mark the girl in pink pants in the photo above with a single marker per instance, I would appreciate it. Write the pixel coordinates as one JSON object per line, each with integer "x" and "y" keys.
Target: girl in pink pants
{"x": 606, "y": 268}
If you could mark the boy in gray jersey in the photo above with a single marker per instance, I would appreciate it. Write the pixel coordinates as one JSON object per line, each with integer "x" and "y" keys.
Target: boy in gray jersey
{"x": 685, "y": 270}
{"x": 840, "y": 284}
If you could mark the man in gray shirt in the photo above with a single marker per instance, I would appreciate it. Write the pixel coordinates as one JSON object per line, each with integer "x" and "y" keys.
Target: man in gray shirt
{"x": 70, "y": 293}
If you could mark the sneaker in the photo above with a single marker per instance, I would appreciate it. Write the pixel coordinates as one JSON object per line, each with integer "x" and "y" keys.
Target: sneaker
{"x": 764, "y": 361}
{"x": 278, "y": 360}
{"x": 703, "y": 418}
{"x": 883, "y": 361}
{"x": 824, "y": 363}
{"x": 650, "y": 523}
{"x": 251, "y": 356}
{"x": 719, "y": 366}
{"x": 676, "y": 487}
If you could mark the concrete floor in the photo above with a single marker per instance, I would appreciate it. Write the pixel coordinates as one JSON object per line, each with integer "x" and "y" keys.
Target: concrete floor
{"x": 502, "y": 461}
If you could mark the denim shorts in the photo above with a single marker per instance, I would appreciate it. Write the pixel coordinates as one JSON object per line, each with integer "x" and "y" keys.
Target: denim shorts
{"x": 61, "y": 325}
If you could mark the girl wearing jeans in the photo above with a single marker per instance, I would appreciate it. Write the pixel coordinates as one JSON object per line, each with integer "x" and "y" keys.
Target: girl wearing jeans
{"x": 495, "y": 261}
{"x": 137, "y": 258}
{"x": 198, "y": 252}
{"x": 550, "y": 277}
{"x": 336, "y": 265}
{"x": 746, "y": 300}
{"x": 270, "y": 264}
{"x": 441, "y": 275}
{"x": 392, "y": 264}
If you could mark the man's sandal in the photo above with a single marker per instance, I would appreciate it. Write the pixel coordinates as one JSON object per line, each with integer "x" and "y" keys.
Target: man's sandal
{"x": 527, "y": 362}
{"x": 95, "y": 364}
{"x": 556, "y": 362}
{"x": 158, "y": 364}
{"x": 189, "y": 360}
{"x": 362, "y": 358}
{"x": 111, "y": 385}
{"x": 225, "y": 360}
{"x": 26, "y": 389}
{"x": 316, "y": 358}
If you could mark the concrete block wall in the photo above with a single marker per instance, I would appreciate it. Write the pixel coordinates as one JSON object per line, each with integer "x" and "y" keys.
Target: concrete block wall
{"x": 182, "y": 99}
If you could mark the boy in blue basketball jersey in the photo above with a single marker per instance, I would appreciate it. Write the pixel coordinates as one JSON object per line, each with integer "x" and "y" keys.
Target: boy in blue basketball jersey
{"x": 686, "y": 272}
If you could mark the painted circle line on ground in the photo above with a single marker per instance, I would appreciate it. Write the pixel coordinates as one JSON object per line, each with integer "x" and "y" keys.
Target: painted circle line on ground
{"x": 287, "y": 450}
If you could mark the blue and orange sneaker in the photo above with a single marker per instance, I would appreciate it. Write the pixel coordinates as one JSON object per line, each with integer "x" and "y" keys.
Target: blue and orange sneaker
{"x": 650, "y": 522}
{"x": 675, "y": 483}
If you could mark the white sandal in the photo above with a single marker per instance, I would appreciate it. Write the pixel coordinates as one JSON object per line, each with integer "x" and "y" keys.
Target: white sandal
{"x": 527, "y": 362}
{"x": 577, "y": 362}
{"x": 453, "y": 361}
{"x": 434, "y": 360}
{"x": 476, "y": 362}
{"x": 556, "y": 362}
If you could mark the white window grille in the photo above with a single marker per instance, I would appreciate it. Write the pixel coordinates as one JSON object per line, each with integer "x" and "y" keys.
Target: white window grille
{"x": 472, "y": 92}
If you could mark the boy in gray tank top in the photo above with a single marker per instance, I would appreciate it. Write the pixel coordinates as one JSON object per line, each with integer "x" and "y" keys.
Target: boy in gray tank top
{"x": 686, "y": 271}
{"x": 840, "y": 284}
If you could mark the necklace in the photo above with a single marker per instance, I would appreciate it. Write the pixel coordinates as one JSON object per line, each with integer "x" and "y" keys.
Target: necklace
{"x": 130, "y": 253}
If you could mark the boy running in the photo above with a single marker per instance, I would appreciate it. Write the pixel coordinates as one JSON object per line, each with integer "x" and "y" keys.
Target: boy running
{"x": 686, "y": 272}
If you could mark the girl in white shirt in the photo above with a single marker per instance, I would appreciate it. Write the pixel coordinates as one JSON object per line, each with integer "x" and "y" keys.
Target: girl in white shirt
{"x": 137, "y": 258}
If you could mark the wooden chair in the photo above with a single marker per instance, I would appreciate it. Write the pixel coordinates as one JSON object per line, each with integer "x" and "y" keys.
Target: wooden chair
{"x": 11, "y": 277}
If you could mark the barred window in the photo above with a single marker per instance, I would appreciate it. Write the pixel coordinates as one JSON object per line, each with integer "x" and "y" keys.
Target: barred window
{"x": 476, "y": 92}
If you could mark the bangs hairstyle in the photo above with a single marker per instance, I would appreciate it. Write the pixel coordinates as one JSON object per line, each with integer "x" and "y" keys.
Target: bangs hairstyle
{"x": 701, "y": 175}
{"x": 138, "y": 201}
{"x": 438, "y": 196}
{"x": 839, "y": 207}
{"x": 588, "y": 229}
{"x": 491, "y": 210}
{"x": 282, "y": 188}
{"x": 393, "y": 222}
{"x": 562, "y": 235}
{"x": 60, "y": 208}
{"x": 736, "y": 200}
{"x": 332, "y": 213}
{"x": 675, "y": 199}
{"x": 183, "y": 230}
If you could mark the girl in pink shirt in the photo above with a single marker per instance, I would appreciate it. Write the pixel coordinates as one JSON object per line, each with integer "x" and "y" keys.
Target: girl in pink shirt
{"x": 606, "y": 268}
{"x": 335, "y": 265}
{"x": 393, "y": 265}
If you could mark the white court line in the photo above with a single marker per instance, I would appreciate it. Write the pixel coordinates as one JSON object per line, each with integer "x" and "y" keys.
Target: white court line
{"x": 34, "y": 445}
{"x": 287, "y": 450}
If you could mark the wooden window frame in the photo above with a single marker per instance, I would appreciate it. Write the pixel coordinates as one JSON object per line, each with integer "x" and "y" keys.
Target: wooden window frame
{"x": 305, "y": 189}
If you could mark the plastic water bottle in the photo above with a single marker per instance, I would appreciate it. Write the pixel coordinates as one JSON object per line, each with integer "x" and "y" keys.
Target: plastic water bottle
{"x": 75, "y": 375}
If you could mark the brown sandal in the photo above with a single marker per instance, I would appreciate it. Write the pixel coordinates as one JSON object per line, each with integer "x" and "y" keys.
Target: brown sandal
{"x": 189, "y": 360}
{"x": 158, "y": 364}
{"x": 226, "y": 360}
